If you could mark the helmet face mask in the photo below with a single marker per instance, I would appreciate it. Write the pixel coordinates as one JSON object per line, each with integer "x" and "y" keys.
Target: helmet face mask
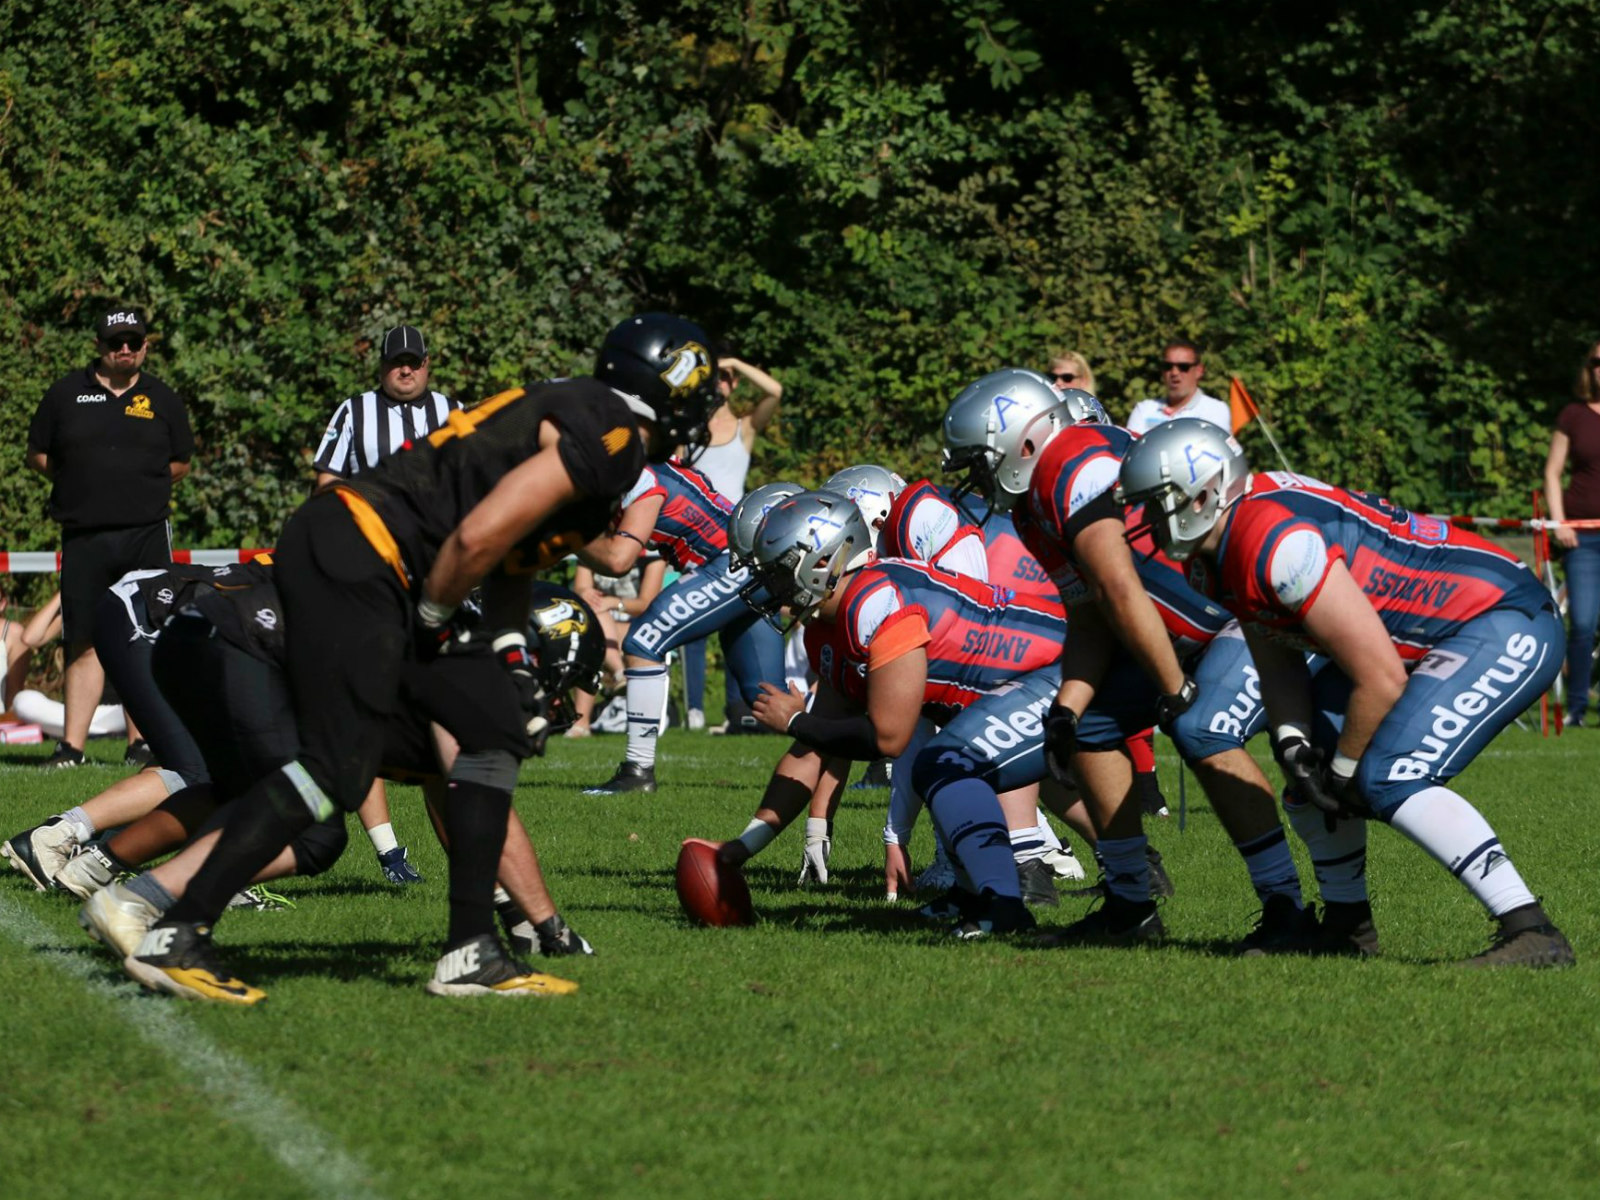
{"x": 1187, "y": 473}
{"x": 996, "y": 428}
{"x": 665, "y": 367}
{"x": 803, "y": 548}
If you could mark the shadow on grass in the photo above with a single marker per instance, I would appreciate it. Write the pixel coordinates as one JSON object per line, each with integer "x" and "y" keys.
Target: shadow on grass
{"x": 348, "y": 887}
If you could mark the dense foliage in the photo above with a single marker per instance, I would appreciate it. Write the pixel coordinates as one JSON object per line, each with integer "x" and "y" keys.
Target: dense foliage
{"x": 1374, "y": 213}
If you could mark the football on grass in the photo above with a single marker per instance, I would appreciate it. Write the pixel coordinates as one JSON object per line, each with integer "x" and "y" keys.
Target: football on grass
{"x": 711, "y": 893}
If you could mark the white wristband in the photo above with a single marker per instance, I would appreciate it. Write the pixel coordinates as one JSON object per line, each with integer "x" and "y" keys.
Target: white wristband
{"x": 816, "y": 830}
{"x": 511, "y": 638}
{"x": 433, "y": 614}
{"x": 1342, "y": 767}
{"x": 1290, "y": 730}
{"x": 757, "y": 836}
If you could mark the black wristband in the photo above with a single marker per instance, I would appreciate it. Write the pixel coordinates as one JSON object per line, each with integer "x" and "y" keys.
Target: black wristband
{"x": 1170, "y": 708}
{"x": 849, "y": 737}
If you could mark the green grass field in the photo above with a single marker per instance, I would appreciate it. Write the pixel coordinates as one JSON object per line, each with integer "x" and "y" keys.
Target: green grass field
{"x": 839, "y": 1049}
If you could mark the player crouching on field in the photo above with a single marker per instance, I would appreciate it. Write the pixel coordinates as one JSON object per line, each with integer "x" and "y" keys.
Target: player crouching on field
{"x": 892, "y": 640}
{"x": 1438, "y": 637}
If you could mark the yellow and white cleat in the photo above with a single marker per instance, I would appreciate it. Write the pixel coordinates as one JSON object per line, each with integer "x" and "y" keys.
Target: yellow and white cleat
{"x": 177, "y": 957}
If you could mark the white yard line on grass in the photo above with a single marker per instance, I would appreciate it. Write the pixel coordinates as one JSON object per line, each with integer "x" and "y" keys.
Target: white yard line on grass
{"x": 296, "y": 1142}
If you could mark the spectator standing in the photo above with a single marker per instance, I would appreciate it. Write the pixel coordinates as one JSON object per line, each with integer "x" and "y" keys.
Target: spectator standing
{"x": 726, "y": 463}
{"x": 1575, "y": 444}
{"x": 112, "y": 439}
{"x": 1181, "y": 372}
{"x": 365, "y": 430}
{"x": 1069, "y": 369}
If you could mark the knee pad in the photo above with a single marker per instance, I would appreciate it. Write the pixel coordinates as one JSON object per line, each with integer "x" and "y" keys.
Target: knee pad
{"x": 294, "y": 792}
{"x": 319, "y": 847}
{"x": 495, "y": 769}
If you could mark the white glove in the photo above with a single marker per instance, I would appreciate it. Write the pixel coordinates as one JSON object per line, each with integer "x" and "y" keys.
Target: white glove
{"x": 818, "y": 845}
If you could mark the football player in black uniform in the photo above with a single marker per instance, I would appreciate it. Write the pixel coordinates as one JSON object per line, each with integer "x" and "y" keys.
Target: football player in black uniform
{"x": 371, "y": 570}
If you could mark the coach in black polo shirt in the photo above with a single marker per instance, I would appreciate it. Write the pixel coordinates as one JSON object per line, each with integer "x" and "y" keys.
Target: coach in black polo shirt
{"x": 112, "y": 440}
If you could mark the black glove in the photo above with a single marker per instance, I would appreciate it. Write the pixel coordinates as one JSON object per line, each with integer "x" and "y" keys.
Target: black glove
{"x": 1303, "y": 768}
{"x": 511, "y": 648}
{"x": 557, "y": 939}
{"x": 1170, "y": 708}
{"x": 1060, "y": 740}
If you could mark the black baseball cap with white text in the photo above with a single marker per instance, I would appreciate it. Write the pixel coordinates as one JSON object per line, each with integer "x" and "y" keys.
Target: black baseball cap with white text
{"x": 120, "y": 321}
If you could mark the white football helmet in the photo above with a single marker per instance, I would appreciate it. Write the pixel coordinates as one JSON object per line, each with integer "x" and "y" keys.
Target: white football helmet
{"x": 746, "y": 518}
{"x": 872, "y": 487}
{"x": 803, "y": 547}
{"x": 996, "y": 428}
{"x": 1187, "y": 473}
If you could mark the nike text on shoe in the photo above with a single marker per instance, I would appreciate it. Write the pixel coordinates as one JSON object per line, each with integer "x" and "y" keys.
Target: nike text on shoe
{"x": 88, "y": 871}
{"x": 1347, "y": 930}
{"x": 1000, "y": 915}
{"x": 479, "y": 966}
{"x": 1117, "y": 922}
{"x": 42, "y": 851}
{"x": 630, "y": 777}
{"x": 1526, "y": 938}
{"x": 397, "y": 868}
{"x": 1038, "y": 884}
{"x": 177, "y": 957}
{"x": 1284, "y": 928}
{"x": 118, "y": 917}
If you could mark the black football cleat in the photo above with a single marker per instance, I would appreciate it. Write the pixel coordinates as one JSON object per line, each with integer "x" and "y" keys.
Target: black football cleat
{"x": 1117, "y": 922}
{"x": 1347, "y": 930}
{"x": 1284, "y": 928}
{"x": 630, "y": 777}
{"x": 1038, "y": 884}
{"x": 1526, "y": 938}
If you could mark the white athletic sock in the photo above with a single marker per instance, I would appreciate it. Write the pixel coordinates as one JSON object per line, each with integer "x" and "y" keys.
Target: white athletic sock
{"x": 1047, "y": 831}
{"x": 1339, "y": 858}
{"x": 647, "y": 711}
{"x": 1271, "y": 866}
{"x": 1027, "y": 844}
{"x": 383, "y": 839}
{"x": 1127, "y": 867}
{"x": 1455, "y": 833}
{"x": 82, "y": 826}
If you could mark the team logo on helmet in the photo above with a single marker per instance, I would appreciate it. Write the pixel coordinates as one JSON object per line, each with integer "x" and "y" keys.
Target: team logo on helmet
{"x": 562, "y": 619}
{"x": 688, "y": 371}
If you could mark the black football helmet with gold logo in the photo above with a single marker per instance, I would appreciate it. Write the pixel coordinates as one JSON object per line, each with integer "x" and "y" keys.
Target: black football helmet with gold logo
{"x": 666, "y": 368}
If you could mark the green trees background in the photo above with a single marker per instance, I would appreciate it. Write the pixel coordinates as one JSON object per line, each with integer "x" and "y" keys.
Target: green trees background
{"x": 1381, "y": 215}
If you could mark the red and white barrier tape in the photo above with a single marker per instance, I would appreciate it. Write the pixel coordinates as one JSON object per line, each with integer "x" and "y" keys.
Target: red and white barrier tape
{"x": 1517, "y": 523}
{"x": 31, "y": 562}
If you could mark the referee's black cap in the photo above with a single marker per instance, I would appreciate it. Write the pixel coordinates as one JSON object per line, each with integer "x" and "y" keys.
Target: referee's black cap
{"x": 403, "y": 340}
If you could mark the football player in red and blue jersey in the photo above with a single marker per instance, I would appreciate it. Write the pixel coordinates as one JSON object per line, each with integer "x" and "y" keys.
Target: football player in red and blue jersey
{"x": 1051, "y": 459}
{"x": 1438, "y": 640}
{"x": 674, "y": 510}
{"x": 890, "y": 641}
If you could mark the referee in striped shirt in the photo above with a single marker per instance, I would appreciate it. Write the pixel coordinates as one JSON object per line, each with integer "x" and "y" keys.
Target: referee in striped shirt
{"x": 365, "y": 430}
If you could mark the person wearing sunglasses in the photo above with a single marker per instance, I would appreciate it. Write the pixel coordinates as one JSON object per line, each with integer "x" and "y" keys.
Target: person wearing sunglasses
{"x": 1069, "y": 369}
{"x": 1181, "y": 371}
{"x": 1575, "y": 445}
{"x": 112, "y": 439}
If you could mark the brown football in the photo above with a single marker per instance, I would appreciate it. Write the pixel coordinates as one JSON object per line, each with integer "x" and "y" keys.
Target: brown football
{"x": 711, "y": 893}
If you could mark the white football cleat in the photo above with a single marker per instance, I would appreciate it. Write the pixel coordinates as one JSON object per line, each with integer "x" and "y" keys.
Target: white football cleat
{"x": 118, "y": 917}
{"x": 40, "y": 852}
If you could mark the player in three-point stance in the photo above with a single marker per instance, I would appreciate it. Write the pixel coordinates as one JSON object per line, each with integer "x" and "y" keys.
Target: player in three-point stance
{"x": 1438, "y": 640}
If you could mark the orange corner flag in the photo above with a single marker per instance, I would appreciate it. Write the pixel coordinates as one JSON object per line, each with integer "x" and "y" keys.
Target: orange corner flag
{"x": 1243, "y": 408}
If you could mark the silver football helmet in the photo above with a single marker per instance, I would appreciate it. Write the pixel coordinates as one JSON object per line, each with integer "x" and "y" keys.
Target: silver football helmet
{"x": 1187, "y": 473}
{"x": 995, "y": 429}
{"x": 872, "y": 487}
{"x": 803, "y": 547}
{"x": 746, "y": 518}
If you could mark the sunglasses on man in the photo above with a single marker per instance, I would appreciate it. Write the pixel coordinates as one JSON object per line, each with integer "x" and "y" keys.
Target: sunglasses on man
{"x": 124, "y": 341}
{"x": 1168, "y": 365}
{"x": 405, "y": 360}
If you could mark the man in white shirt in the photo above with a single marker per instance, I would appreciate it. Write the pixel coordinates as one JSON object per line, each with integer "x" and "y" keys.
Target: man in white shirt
{"x": 1181, "y": 372}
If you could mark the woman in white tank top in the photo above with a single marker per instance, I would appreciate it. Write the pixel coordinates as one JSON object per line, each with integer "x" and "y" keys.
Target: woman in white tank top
{"x": 726, "y": 462}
